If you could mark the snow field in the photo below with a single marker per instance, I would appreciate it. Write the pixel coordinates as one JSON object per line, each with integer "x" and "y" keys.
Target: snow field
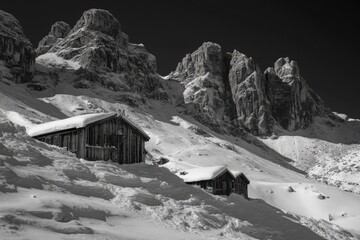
{"x": 93, "y": 197}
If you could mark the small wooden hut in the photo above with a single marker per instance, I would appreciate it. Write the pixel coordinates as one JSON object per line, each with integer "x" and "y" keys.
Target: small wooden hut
{"x": 240, "y": 185}
{"x": 216, "y": 180}
{"x": 99, "y": 136}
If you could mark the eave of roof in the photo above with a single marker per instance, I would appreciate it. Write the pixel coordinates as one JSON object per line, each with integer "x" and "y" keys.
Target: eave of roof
{"x": 65, "y": 124}
{"x": 75, "y": 122}
{"x": 128, "y": 121}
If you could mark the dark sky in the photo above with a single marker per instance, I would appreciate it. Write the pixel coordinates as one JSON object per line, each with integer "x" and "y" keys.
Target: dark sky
{"x": 322, "y": 36}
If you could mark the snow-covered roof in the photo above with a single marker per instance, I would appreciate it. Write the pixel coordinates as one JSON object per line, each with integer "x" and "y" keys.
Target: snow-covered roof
{"x": 77, "y": 122}
{"x": 68, "y": 123}
{"x": 236, "y": 174}
{"x": 202, "y": 173}
{"x": 128, "y": 121}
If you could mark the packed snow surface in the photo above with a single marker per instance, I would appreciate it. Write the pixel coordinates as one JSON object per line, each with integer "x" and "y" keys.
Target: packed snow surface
{"x": 201, "y": 174}
{"x": 69, "y": 123}
{"x": 328, "y": 151}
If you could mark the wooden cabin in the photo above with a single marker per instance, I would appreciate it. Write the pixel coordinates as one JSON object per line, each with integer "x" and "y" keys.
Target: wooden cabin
{"x": 240, "y": 185}
{"x": 217, "y": 180}
{"x": 99, "y": 136}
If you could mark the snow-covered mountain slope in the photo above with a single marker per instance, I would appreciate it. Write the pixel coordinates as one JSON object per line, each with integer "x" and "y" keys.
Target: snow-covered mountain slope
{"x": 92, "y": 199}
{"x": 47, "y": 192}
{"x": 327, "y": 151}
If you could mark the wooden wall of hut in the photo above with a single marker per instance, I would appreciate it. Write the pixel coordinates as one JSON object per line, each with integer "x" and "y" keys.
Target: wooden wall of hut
{"x": 240, "y": 187}
{"x": 70, "y": 139}
{"x": 111, "y": 139}
{"x": 222, "y": 185}
{"x": 206, "y": 185}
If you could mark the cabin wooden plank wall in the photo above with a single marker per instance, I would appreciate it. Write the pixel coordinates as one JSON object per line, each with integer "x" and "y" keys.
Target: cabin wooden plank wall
{"x": 110, "y": 139}
{"x": 207, "y": 185}
{"x": 102, "y": 140}
{"x": 114, "y": 139}
{"x": 241, "y": 186}
{"x": 223, "y": 184}
{"x": 68, "y": 139}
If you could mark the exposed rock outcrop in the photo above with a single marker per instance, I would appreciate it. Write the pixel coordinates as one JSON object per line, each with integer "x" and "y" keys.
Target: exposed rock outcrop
{"x": 232, "y": 87}
{"x": 201, "y": 72}
{"x": 17, "y": 56}
{"x": 293, "y": 103}
{"x": 208, "y": 58}
{"x": 220, "y": 87}
{"x": 58, "y": 31}
{"x": 249, "y": 94}
{"x": 97, "y": 45}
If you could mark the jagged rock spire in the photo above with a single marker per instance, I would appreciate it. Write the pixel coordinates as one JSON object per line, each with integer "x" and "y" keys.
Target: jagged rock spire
{"x": 255, "y": 100}
{"x": 59, "y": 30}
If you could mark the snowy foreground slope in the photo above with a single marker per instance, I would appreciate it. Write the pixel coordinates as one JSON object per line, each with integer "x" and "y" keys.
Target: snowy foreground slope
{"x": 45, "y": 192}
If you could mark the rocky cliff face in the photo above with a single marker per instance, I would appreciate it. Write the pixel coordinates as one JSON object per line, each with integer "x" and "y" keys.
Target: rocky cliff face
{"x": 232, "y": 87}
{"x": 249, "y": 94}
{"x": 220, "y": 87}
{"x": 58, "y": 31}
{"x": 293, "y": 103}
{"x": 96, "y": 46}
{"x": 201, "y": 73}
{"x": 17, "y": 56}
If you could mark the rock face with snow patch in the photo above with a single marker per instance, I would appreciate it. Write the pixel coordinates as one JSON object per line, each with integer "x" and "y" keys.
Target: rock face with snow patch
{"x": 231, "y": 86}
{"x": 58, "y": 31}
{"x": 17, "y": 56}
{"x": 201, "y": 73}
{"x": 97, "y": 44}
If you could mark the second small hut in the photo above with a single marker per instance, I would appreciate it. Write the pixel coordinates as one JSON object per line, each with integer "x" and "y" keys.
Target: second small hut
{"x": 217, "y": 180}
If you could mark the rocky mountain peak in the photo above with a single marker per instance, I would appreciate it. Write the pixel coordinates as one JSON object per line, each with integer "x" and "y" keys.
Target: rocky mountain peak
{"x": 206, "y": 59}
{"x": 243, "y": 94}
{"x": 98, "y": 50}
{"x": 17, "y": 56}
{"x": 60, "y": 29}
{"x": 284, "y": 68}
{"x": 10, "y": 27}
{"x": 249, "y": 95}
{"x": 99, "y": 20}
